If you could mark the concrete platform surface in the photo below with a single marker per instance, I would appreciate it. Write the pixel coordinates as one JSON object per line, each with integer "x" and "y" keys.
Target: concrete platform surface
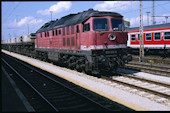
{"x": 131, "y": 100}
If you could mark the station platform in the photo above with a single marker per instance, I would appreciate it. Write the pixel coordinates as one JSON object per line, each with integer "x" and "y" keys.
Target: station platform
{"x": 130, "y": 100}
{"x": 12, "y": 99}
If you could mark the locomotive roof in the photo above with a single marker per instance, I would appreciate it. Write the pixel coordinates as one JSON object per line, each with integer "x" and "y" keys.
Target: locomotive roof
{"x": 149, "y": 27}
{"x": 46, "y": 26}
{"x": 73, "y": 19}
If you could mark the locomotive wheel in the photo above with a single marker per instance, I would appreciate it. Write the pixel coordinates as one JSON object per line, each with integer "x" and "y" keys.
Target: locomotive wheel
{"x": 86, "y": 69}
{"x": 70, "y": 66}
{"x": 78, "y": 68}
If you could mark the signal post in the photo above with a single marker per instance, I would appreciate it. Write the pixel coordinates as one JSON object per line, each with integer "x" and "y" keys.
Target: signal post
{"x": 141, "y": 59}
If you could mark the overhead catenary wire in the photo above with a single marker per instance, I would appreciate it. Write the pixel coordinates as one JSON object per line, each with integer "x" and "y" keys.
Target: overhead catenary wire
{"x": 127, "y": 13}
{"x": 11, "y": 12}
{"x": 17, "y": 5}
{"x": 146, "y": 8}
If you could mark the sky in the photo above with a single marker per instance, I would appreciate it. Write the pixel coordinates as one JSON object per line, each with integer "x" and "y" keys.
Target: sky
{"x": 23, "y": 17}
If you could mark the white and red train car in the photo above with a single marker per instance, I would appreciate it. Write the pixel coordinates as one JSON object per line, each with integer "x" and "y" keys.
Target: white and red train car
{"x": 156, "y": 37}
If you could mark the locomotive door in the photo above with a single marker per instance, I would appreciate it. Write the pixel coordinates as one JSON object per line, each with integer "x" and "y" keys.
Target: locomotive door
{"x": 77, "y": 37}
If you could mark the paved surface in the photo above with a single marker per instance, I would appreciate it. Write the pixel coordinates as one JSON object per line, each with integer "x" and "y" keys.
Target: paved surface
{"x": 11, "y": 101}
{"x": 123, "y": 97}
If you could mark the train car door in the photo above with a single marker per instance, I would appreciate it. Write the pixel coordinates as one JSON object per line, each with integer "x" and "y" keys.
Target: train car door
{"x": 78, "y": 37}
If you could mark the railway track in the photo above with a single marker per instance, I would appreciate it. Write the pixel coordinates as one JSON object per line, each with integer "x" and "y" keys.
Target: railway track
{"x": 51, "y": 93}
{"x": 163, "y": 70}
{"x": 154, "y": 90}
{"x": 153, "y": 59}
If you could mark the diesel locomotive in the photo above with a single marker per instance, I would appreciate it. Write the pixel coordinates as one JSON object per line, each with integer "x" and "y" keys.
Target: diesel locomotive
{"x": 91, "y": 41}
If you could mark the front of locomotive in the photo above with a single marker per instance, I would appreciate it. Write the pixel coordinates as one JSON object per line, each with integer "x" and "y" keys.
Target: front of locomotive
{"x": 110, "y": 45}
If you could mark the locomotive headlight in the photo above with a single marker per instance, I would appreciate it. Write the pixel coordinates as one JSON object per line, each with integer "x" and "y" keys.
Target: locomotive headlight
{"x": 112, "y": 37}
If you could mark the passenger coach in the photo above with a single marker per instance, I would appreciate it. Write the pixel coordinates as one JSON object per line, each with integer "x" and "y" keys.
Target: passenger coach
{"x": 156, "y": 37}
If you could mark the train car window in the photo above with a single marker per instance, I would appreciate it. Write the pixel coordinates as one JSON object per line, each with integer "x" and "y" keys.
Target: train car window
{"x": 68, "y": 41}
{"x": 167, "y": 35}
{"x": 78, "y": 29}
{"x": 86, "y": 27}
{"x": 63, "y": 31}
{"x": 59, "y": 32}
{"x": 72, "y": 29}
{"x": 138, "y": 36}
{"x": 45, "y": 34}
{"x": 148, "y": 36}
{"x": 133, "y": 37}
{"x": 56, "y": 32}
{"x": 100, "y": 24}
{"x": 157, "y": 36}
{"x": 117, "y": 25}
{"x": 41, "y": 35}
{"x": 64, "y": 42}
{"x": 68, "y": 30}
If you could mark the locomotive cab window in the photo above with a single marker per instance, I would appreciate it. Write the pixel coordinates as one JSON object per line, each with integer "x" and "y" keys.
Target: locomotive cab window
{"x": 157, "y": 36}
{"x": 148, "y": 36}
{"x": 133, "y": 37}
{"x": 100, "y": 24}
{"x": 166, "y": 35}
{"x": 117, "y": 25}
{"x": 86, "y": 27}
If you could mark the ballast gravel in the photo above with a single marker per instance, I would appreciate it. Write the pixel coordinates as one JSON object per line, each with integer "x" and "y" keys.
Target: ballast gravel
{"x": 97, "y": 85}
{"x": 146, "y": 75}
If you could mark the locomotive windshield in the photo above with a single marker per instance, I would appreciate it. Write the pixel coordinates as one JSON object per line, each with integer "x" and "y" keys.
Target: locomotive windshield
{"x": 117, "y": 25}
{"x": 100, "y": 24}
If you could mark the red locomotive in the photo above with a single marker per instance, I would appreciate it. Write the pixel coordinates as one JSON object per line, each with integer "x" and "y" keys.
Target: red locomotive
{"x": 156, "y": 38}
{"x": 92, "y": 41}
